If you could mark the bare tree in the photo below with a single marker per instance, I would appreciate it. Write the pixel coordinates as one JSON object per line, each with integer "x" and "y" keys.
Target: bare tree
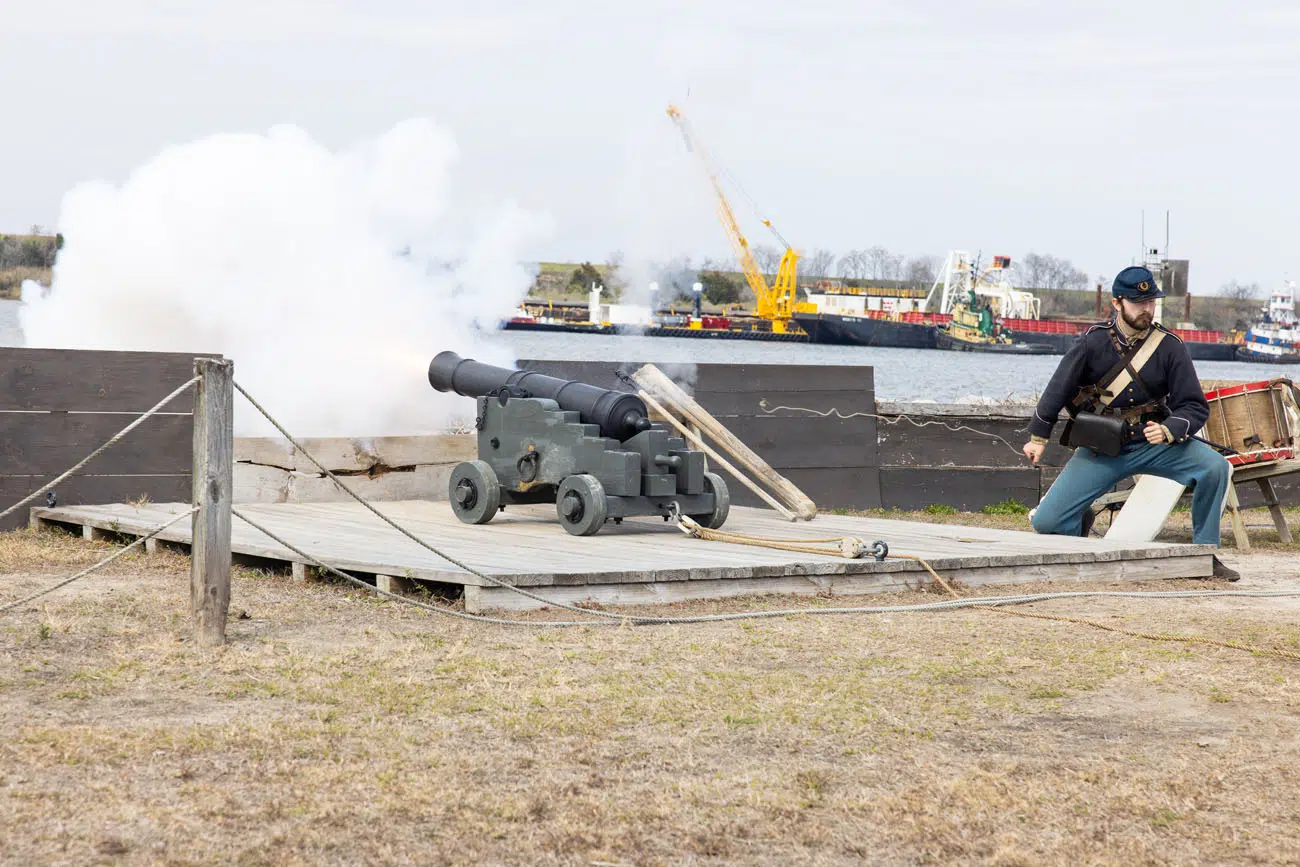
{"x": 768, "y": 258}
{"x": 817, "y": 264}
{"x": 1240, "y": 291}
{"x": 879, "y": 261}
{"x": 1031, "y": 271}
{"x": 1045, "y": 271}
{"x": 853, "y": 265}
{"x": 921, "y": 271}
{"x": 893, "y": 267}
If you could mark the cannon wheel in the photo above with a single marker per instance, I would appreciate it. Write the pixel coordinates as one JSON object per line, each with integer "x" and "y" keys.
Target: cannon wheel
{"x": 474, "y": 492}
{"x": 581, "y": 504}
{"x": 713, "y": 484}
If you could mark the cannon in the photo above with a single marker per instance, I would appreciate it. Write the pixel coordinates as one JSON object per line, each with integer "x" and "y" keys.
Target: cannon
{"x": 593, "y": 452}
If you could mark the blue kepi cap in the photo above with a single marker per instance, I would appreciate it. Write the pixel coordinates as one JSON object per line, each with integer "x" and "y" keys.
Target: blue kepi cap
{"x": 1137, "y": 283}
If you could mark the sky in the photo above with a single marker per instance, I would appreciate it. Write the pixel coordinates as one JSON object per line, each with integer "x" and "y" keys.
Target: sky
{"x": 997, "y": 126}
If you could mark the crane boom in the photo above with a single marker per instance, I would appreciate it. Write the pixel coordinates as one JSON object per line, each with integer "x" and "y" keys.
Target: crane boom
{"x": 775, "y": 302}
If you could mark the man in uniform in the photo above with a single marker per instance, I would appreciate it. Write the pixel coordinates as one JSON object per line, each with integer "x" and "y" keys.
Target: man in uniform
{"x": 1162, "y": 407}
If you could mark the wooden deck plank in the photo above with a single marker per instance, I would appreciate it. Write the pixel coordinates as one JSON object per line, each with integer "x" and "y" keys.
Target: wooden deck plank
{"x": 647, "y": 559}
{"x": 484, "y": 598}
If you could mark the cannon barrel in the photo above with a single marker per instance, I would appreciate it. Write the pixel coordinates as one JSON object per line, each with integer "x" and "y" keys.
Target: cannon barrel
{"x": 618, "y": 414}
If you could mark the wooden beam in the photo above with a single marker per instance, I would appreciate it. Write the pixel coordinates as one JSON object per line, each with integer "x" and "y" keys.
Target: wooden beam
{"x": 394, "y": 584}
{"x": 694, "y": 438}
{"x": 1239, "y": 533}
{"x": 652, "y": 380}
{"x": 213, "y": 482}
{"x": 483, "y": 599}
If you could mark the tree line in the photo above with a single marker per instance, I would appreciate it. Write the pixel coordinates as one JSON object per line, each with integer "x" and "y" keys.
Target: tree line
{"x": 26, "y": 257}
{"x": 29, "y": 251}
{"x": 724, "y": 284}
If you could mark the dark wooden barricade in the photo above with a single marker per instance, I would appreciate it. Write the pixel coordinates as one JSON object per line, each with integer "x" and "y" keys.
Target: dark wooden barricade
{"x": 791, "y": 415}
{"x": 865, "y": 462}
{"x": 59, "y": 405}
{"x": 960, "y": 455}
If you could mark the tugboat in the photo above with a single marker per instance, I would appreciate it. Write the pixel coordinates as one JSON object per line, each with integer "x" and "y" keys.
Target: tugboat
{"x": 1272, "y": 340}
{"x": 972, "y": 329}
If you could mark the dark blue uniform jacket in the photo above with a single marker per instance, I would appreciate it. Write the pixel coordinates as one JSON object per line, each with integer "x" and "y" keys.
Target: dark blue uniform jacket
{"x": 1168, "y": 373}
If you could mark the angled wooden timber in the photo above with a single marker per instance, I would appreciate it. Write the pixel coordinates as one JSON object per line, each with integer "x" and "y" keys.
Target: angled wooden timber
{"x": 644, "y": 559}
{"x": 1261, "y": 474}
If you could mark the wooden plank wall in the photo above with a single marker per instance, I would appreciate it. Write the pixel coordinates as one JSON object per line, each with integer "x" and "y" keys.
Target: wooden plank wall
{"x": 960, "y": 455}
{"x": 57, "y": 406}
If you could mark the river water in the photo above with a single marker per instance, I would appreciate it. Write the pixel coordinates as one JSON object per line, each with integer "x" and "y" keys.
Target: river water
{"x": 900, "y": 374}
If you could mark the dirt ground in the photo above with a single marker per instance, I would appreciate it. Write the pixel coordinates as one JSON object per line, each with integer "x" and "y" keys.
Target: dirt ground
{"x": 336, "y": 728}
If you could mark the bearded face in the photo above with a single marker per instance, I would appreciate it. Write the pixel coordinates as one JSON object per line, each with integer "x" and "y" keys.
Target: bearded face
{"x": 1137, "y": 315}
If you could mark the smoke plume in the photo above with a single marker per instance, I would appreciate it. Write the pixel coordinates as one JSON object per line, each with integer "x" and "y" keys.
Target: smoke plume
{"x": 331, "y": 278}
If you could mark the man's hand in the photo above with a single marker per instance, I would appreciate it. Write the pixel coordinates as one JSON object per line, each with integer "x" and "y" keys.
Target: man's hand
{"x": 1034, "y": 451}
{"x": 1154, "y": 433}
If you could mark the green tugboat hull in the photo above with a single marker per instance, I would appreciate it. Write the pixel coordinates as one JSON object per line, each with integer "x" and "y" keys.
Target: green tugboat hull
{"x": 945, "y": 340}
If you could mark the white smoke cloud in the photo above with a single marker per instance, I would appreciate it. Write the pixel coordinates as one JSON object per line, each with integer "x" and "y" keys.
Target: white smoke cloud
{"x": 331, "y": 278}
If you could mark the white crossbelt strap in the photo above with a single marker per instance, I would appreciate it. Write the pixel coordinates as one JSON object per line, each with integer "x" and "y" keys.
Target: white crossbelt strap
{"x": 1123, "y": 380}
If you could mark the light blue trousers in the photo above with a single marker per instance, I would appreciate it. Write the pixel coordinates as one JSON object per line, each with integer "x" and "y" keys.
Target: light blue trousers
{"x": 1088, "y": 475}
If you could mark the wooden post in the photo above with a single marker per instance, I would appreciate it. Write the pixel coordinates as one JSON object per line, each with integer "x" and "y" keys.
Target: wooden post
{"x": 1238, "y": 525}
{"x": 214, "y": 447}
{"x": 1275, "y": 510}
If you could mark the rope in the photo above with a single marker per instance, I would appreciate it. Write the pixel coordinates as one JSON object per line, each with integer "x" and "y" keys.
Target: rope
{"x": 851, "y": 543}
{"x": 993, "y": 603}
{"x": 437, "y": 609}
{"x": 416, "y": 539}
{"x": 851, "y": 547}
{"x": 1162, "y": 636}
{"x": 84, "y": 572}
{"x": 1150, "y": 636}
{"x": 762, "y": 404}
{"x": 97, "y": 452}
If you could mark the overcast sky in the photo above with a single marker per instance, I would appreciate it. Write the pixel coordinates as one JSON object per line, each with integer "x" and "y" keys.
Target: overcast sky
{"x": 997, "y": 126}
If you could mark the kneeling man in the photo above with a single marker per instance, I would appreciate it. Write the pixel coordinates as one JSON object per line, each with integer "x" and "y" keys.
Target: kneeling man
{"x": 1134, "y": 401}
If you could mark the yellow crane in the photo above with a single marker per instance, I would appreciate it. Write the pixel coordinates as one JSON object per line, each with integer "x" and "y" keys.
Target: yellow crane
{"x": 776, "y": 302}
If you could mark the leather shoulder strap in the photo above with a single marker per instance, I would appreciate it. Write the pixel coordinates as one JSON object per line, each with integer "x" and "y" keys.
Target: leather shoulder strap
{"x": 1129, "y": 365}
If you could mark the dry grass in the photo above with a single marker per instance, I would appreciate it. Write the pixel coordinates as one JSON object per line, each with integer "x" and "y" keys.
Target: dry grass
{"x": 338, "y": 729}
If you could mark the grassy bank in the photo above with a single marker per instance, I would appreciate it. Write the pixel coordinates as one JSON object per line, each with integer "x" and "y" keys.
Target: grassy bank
{"x": 26, "y": 257}
{"x": 339, "y": 729}
{"x": 11, "y": 280}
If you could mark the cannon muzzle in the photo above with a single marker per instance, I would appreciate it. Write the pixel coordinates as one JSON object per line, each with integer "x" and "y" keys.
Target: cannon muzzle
{"x": 618, "y": 414}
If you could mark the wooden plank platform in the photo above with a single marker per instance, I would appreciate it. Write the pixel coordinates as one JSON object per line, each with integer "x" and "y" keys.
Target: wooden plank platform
{"x": 645, "y": 560}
